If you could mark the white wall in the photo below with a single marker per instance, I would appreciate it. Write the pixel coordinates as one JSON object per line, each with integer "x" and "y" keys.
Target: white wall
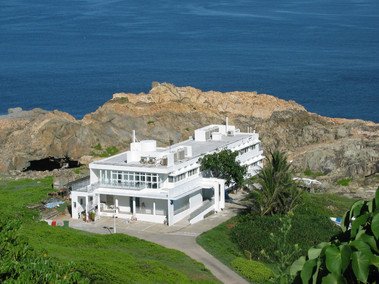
{"x": 196, "y": 200}
{"x": 123, "y": 203}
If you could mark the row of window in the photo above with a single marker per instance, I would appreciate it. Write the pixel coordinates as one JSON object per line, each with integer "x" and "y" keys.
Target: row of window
{"x": 183, "y": 175}
{"x": 131, "y": 179}
{"x": 247, "y": 149}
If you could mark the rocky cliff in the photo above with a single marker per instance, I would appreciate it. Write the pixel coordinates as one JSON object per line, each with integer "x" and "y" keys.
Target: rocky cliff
{"x": 335, "y": 148}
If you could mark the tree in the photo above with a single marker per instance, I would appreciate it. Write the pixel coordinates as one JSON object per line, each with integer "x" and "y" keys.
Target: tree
{"x": 224, "y": 165}
{"x": 278, "y": 193}
{"x": 350, "y": 257}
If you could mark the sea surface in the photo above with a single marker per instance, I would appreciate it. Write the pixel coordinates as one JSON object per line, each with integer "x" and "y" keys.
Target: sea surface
{"x": 72, "y": 55}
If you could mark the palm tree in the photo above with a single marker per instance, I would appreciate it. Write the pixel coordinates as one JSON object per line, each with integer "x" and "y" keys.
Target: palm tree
{"x": 278, "y": 193}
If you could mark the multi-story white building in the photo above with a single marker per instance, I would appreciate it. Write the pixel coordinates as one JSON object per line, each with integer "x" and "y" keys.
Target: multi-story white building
{"x": 164, "y": 185}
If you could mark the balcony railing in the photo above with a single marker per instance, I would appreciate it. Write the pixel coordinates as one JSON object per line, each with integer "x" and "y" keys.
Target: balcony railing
{"x": 123, "y": 185}
{"x": 116, "y": 185}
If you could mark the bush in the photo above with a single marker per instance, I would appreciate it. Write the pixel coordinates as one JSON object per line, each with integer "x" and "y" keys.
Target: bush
{"x": 254, "y": 271}
{"x": 352, "y": 256}
{"x": 307, "y": 230}
{"x": 309, "y": 173}
{"x": 344, "y": 181}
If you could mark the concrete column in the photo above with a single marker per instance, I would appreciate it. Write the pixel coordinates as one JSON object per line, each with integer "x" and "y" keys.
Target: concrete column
{"x": 170, "y": 212}
{"x": 216, "y": 196}
{"x": 134, "y": 205}
{"x": 154, "y": 208}
{"x": 86, "y": 208}
{"x": 74, "y": 210}
{"x": 98, "y": 205}
{"x": 222, "y": 195}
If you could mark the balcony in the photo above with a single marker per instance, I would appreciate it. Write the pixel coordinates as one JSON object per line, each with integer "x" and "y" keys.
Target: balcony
{"x": 116, "y": 185}
{"x": 123, "y": 185}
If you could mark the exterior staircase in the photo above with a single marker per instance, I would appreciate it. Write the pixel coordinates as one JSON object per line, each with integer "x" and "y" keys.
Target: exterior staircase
{"x": 199, "y": 213}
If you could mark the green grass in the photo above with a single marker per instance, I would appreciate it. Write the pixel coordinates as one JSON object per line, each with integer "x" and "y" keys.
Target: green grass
{"x": 313, "y": 212}
{"x": 109, "y": 151}
{"x": 115, "y": 258}
{"x": 219, "y": 243}
{"x": 309, "y": 173}
{"x": 103, "y": 153}
{"x": 344, "y": 181}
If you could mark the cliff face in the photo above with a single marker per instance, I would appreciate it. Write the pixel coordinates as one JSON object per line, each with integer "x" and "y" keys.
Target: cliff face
{"x": 336, "y": 147}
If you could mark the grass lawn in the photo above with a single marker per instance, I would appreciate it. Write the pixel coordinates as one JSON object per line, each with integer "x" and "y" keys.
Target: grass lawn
{"x": 112, "y": 258}
{"x": 314, "y": 210}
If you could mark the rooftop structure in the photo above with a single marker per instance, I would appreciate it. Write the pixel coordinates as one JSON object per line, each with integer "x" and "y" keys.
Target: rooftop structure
{"x": 164, "y": 185}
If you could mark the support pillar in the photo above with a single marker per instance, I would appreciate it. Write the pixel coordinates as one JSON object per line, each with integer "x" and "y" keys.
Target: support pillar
{"x": 216, "y": 196}
{"x": 86, "y": 208}
{"x": 170, "y": 212}
{"x": 134, "y": 205}
{"x": 154, "y": 208}
{"x": 98, "y": 205}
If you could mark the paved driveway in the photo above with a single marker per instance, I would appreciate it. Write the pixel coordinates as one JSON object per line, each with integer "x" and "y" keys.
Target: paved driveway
{"x": 180, "y": 236}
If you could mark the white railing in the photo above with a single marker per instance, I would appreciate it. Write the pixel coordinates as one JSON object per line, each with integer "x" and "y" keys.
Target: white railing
{"x": 123, "y": 185}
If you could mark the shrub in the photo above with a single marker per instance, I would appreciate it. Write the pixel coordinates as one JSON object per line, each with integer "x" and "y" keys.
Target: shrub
{"x": 150, "y": 122}
{"x": 309, "y": 173}
{"x": 344, "y": 181}
{"x": 252, "y": 232}
{"x": 352, "y": 256}
{"x": 120, "y": 100}
{"x": 98, "y": 147}
{"x": 109, "y": 151}
{"x": 254, "y": 271}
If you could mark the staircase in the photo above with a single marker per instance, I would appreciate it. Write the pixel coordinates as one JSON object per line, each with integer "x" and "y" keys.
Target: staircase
{"x": 200, "y": 212}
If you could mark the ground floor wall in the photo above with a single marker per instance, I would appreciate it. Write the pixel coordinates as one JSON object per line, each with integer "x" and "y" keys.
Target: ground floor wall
{"x": 168, "y": 211}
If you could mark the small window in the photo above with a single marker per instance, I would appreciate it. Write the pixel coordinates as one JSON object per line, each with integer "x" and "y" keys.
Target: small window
{"x": 74, "y": 204}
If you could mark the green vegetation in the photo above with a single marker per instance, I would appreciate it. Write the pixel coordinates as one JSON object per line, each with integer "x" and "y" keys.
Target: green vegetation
{"x": 251, "y": 232}
{"x": 112, "y": 258}
{"x": 344, "y": 181}
{"x": 306, "y": 230}
{"x": 98, "y": 147}
{"x": 254, "y": 271}
{"x": 109, "y": 151}
{"x": 98, "y": 151}
{"x": 352, "y": 256}
{"x": 278, "y": 193}
{"x": 21, "y": 264}
{"x": 223, "y": 165}
{"x": 218, "y": 242}
{"x": 120, "y": 100}
{"x": 150, "y": 122}
{"x": 309, "y": 173}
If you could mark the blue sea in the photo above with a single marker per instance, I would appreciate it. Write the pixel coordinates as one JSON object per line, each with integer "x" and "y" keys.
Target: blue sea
{"x": 72, "y": 55}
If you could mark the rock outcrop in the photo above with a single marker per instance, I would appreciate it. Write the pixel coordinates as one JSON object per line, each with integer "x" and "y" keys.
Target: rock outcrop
{"x": 335, "y": 147}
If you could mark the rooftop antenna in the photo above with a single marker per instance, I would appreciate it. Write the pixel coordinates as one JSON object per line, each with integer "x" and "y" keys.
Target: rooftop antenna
{"x": 134, "y": 136}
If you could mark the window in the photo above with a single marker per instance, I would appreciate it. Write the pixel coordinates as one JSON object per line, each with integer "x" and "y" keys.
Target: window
{"x": 192, "y": 172}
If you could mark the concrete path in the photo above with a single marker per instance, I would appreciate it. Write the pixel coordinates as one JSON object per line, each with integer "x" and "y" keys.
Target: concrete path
{"x": 180, "y": 236}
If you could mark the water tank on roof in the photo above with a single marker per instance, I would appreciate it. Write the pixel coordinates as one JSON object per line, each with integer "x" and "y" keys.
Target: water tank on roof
{"x": 148, "y": 145}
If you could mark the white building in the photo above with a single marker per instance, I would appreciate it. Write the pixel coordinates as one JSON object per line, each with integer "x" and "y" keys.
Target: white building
{"x": 164, "y": 185}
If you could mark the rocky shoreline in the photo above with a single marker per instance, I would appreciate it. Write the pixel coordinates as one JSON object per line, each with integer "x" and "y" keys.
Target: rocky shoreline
{"x": 329, "y": 148}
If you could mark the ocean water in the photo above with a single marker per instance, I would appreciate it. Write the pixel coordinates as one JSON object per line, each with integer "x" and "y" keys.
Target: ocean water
{"x": 73, "y": 55}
